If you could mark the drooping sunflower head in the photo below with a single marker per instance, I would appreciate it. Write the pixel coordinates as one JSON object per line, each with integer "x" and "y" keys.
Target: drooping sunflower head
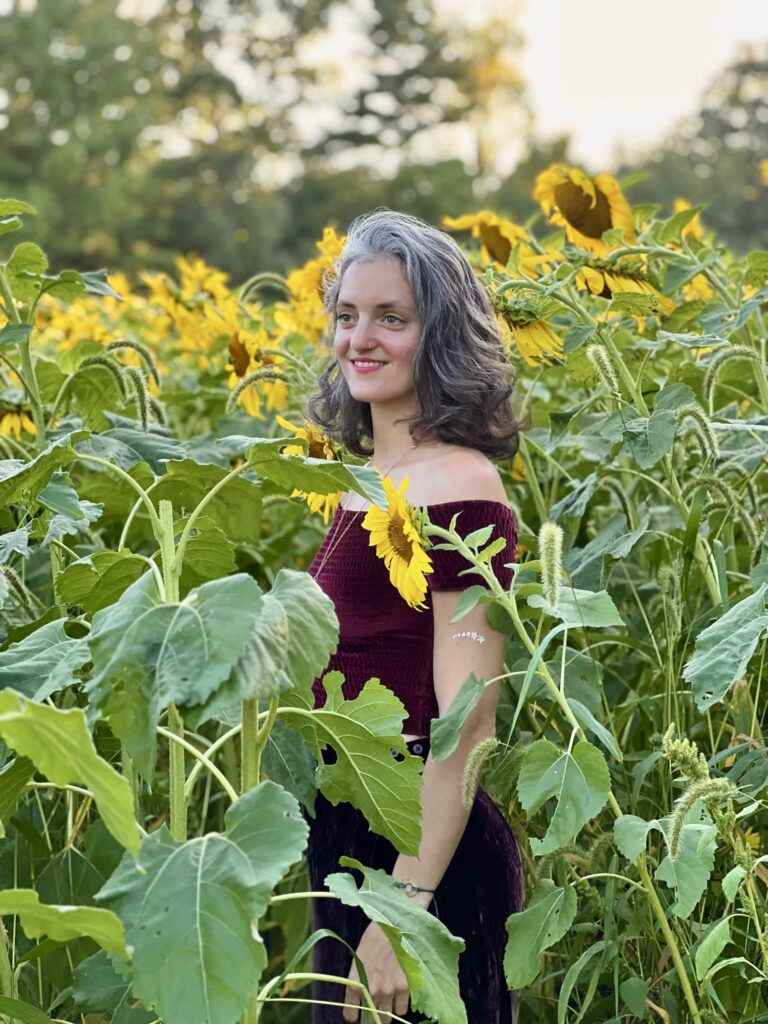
{"x": 318, "y": 447}
{"x": 396, "y": 537}
{"x": 584, "y": 206}
{"x": 499, "y": 237}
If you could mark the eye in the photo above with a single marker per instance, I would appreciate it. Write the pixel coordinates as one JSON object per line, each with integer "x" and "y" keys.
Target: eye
{"x": 340, "y": 317}
{"x": 391, "y": 316}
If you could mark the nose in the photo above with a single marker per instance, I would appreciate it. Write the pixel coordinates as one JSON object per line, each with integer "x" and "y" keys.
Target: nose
{"x": 361, "y": 336}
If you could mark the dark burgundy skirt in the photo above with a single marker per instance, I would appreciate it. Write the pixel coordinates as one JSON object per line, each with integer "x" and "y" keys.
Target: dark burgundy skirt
{"x": 482, "y": 886}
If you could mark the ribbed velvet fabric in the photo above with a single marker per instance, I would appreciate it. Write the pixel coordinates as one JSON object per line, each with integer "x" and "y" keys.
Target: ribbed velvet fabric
{"x": 381, "y": 636}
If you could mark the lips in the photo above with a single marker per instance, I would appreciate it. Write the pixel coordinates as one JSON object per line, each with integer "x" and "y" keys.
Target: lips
{"x": 366, "y": 366}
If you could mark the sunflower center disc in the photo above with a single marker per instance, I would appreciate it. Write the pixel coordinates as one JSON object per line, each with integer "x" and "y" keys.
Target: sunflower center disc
{"x": 399, "y": 541}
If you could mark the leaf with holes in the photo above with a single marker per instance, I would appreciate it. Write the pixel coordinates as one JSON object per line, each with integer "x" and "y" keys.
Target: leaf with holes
{"x": 190, "y": 909}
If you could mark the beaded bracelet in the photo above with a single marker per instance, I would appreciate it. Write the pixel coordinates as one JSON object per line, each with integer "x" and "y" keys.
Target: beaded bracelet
{"x": 411, "y": 888}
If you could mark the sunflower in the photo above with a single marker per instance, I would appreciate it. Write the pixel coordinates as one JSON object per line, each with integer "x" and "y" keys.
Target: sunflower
{"x": 246, "y": 356}
{"x": 524, "y": 327}
{"x": 13, "y": 423}
{"x": 584, "y": 206}
{"x": 318, "y": 447}
{"x": 607, "y": 282}
{"x": 499, "y": 237}
{"x": 398, "y": 541}
{"x": 305, "y": 313}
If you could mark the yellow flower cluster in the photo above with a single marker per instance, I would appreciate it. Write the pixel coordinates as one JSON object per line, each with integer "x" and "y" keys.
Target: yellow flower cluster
{"x": 305, "y": 313}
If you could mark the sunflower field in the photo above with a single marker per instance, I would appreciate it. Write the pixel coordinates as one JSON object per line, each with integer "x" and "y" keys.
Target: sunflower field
{"x": 159, "y": 634}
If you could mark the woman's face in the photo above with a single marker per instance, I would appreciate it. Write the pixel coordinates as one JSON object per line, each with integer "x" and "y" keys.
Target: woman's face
{"x": 377, "y": 333}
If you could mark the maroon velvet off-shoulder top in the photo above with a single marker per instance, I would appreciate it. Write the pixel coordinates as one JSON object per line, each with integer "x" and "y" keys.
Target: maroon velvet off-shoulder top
{"x": 379, "y": 634}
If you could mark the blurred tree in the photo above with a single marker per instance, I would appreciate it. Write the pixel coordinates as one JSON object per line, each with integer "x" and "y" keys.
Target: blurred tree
{"x": 715, "y": 157}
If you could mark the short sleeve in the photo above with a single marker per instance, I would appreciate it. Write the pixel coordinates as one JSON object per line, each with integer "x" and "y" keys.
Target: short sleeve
{"x": 474, "y": 514}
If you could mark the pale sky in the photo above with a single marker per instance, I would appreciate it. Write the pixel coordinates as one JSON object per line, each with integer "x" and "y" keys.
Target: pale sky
{"x": 613, "y": 71}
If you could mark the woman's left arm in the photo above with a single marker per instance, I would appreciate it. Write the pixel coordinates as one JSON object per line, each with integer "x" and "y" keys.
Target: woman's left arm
{"x": 444, "y": 816}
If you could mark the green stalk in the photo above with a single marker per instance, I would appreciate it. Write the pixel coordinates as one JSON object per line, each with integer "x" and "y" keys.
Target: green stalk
{"x": 7, "y": 986}
{"x": 175, "y": 721}
{"x": 253, "y": 740}
{"x": 30, "y": 380}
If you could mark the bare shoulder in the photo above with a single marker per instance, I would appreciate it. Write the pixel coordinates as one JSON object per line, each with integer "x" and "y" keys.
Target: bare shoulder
{"x": 462, "y": 473}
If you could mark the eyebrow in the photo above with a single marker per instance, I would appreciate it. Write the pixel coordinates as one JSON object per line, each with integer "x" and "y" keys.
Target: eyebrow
{"x": 379, "y": 305}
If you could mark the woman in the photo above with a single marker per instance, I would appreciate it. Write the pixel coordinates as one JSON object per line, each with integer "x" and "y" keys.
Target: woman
{"x": 421, "y": 373}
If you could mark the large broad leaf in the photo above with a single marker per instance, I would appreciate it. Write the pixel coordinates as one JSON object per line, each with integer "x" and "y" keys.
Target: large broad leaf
{"x": 236, "y": 508}
{"x": 580, "y": 607}
{"x": 99, "y": 988}
{"x": 319, "y": 475}
{"x": 426, "y": 951}
{"x": 14, "y": 542}
{"x": 287, "y": 761}
{"x": 209, "y": 553}
{"x": 13, "y": 781}
{"x": 61, "y": 748}
{"x": 26, "y": 479}
{"x": 44, "y": 662}
{"x": 64, "y": 923}
{"x": 648, "y": 439}
{"x": 190, "y": 909}
{"x": 723, "y": 649}
{"x": 98, "y": 580}
{"x": 711, "y": 946}
{"x": 586, "y": 566}
{"x": 578, "y": 780}
{"x": 148, "y": 654}
{"x": 575, "y": 503}
{"x": 445, "y": 731}
{"x": 294, "y": 631}
{"x": 363, "y": 732}
{"x": 60, "y": 496}
{"x": 688, "y": 874}
{"x": 544, "y": 922}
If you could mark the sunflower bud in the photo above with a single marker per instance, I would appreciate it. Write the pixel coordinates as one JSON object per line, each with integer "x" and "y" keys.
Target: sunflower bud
{"x": 550, "y": 553}
{"x": 601, "y": 360}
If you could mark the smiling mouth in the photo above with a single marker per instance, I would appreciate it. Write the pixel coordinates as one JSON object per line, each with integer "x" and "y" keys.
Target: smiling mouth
{"x": 367, "y": 362}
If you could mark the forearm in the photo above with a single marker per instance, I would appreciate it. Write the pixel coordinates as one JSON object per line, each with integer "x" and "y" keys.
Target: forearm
{"x": 444, "y": 816}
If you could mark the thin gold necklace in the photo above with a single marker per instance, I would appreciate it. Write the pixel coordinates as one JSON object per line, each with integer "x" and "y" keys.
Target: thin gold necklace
{"x": 338, "y": 537}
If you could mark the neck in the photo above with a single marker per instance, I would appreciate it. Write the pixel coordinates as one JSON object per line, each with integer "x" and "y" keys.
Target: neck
{"x": 391, "y": 440}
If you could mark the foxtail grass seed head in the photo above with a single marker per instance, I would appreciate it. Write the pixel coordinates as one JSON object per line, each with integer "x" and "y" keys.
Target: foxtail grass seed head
{"x": 685, "y": 756}
{"x": 474, "y": 767}
{"x": 710, "y": 791}
{"x": 158, "y": 410}
{"x": 142, "y": 351}
{"x": 702, "y": 428}
{"x": 110, "y": 366}
{"x": 136, "y": 377}
{"x": 263, "y": 373}
{"x": 551, "y": 553}
{"x": 15, "y": 584}
{"x": 719, "y": 360}
{"x": 601, "y": 360}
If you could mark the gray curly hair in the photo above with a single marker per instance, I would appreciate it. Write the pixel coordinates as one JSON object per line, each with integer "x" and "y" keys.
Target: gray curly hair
{"x": 460, "y": 370}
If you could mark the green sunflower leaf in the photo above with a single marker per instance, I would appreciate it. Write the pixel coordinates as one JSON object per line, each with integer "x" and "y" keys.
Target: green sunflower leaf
{"x": 189, "y": 909}
{"x": 363, "y": 732}
{"x": 723, "y": 649}
{"x": 544, "y": 922}
{"x": 426, "y": 951}
{"x": 578, "y": 780}
{"x": 64, "y": 923}
{"x": 148, "y": 653}
{"x": 61, "y": 748}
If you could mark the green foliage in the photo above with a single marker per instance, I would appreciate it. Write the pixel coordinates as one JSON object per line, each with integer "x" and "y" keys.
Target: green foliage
{"x": 548, "y": 916}
{"x": 189, "y": 908}
{"x": 423, "y": 946}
